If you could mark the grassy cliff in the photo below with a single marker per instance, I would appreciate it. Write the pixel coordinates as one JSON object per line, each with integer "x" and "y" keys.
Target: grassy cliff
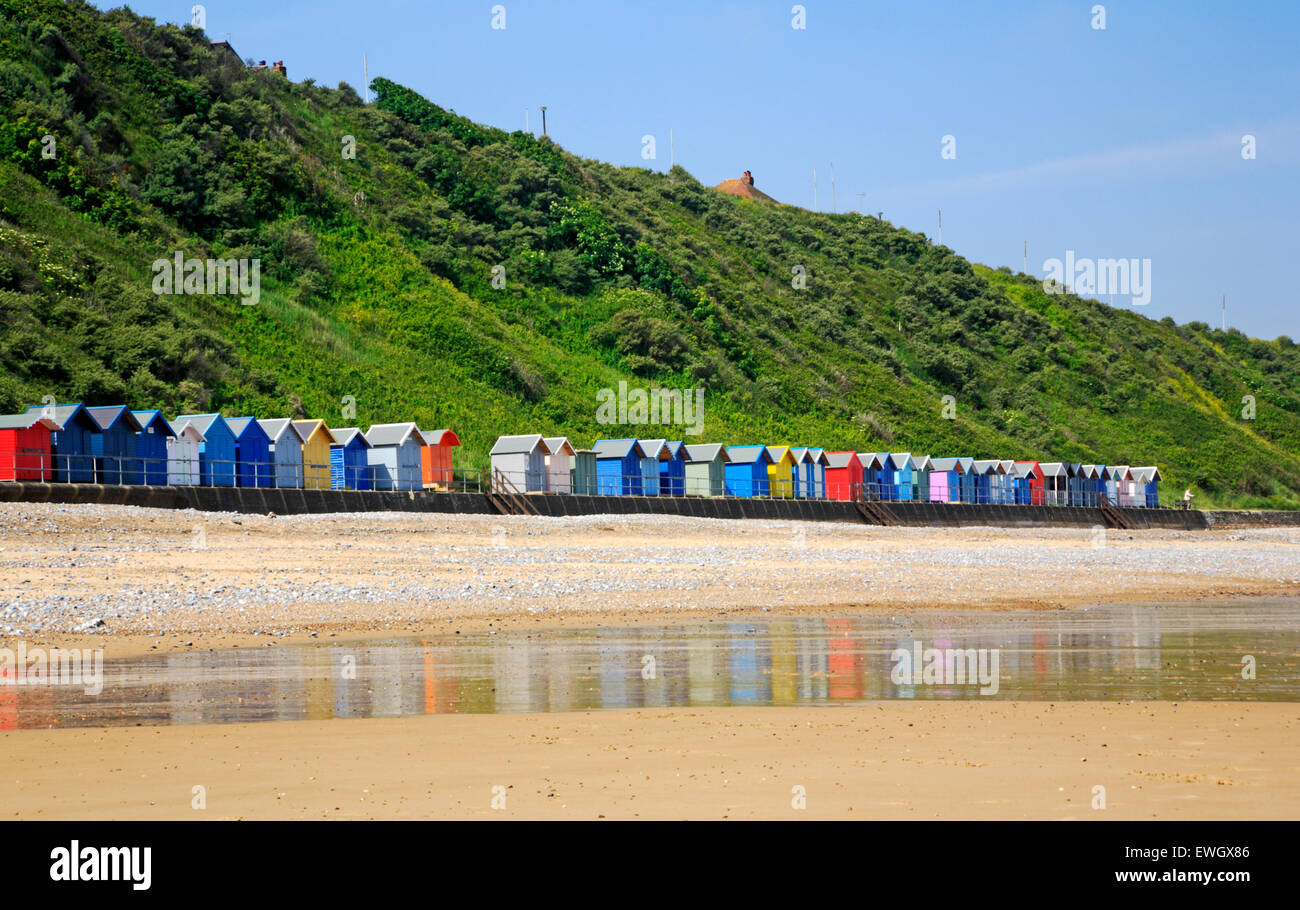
{"x": 380, "y": 229}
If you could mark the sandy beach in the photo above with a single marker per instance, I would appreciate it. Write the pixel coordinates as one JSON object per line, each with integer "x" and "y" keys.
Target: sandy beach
{"x": 139, "y": 582}
{"x": 884, "y": 761}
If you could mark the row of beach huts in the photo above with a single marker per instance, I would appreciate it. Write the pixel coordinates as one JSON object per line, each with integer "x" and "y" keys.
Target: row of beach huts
{"x": 650, "y": 467}
{"x": 75, "y": 444}
{"x": 115, "y": 445}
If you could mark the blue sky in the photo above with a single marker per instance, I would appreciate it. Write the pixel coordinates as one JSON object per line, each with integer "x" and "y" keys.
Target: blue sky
{"x": 1122, "y": 142}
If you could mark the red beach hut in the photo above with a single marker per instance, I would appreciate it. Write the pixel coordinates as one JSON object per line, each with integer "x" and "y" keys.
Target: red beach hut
{"x": 25, "y": 447}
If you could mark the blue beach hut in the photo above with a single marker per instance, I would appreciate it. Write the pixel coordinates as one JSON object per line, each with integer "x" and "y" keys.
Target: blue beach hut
{"x": 285, "y": 452}
{"x": 114, "y": 446}
{"x": 216, "y": 452}
{"x": 653, "y": 453}
{"x": 746, "y": 472}
{"x": 619, "y": 467}
{"x": 151, "y": 447}
{"x": 252, "y": 452}
{"x": 71, "y": 446}
{"x": 672, "y": 470}
{"x": 349, "y": 464}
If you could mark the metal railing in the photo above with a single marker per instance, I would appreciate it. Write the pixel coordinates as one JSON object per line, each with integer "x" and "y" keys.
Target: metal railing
{"x": 204, "y": 471}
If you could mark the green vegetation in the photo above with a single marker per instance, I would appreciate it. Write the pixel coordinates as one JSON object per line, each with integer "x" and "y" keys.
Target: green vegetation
{"x": 377, "y": 282}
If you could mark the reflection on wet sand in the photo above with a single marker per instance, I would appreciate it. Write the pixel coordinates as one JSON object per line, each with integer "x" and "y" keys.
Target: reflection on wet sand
{"x": 1191, "y": 652}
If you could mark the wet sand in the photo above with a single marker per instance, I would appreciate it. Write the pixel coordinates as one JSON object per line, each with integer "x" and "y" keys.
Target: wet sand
{"x": 945, "y": 760}
{"x": 150, "y": 581}
{"x": 160, "y": 580}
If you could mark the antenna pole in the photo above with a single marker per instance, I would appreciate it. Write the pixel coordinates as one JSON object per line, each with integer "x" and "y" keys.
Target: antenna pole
{"x": 1026, "y": 266}
{"x": 672, "y": 150}
{"x": 1224, "y": 312}
{"x": 941, "y": 225}
{"x": 833, "y": 207}
{"x": 543, "y": 107}
{"x": 526, "y": 129}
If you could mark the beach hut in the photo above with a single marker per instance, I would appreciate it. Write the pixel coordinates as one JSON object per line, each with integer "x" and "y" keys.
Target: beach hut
{"x": 921, "y": 467}
{"x": 183, "y": 447}
{"x": 25, "y": 447}
{"x": 435, "y": 459}
{"x": 746, "y": 471}
{"x": 349, "y": 463}
{"x": 945, "y": 480}
{"x": 817, "y": 463}
{"x": 653, "y": 452}
{"x": 394, "y": 456}
{"x": 672, "y": 470}
{"x": 1027, "y": 479}
{"x": 618, "y": 467}
{"x": 988, "y": 485}
{"x": 70, "y": 444}
{"x": 1075, "y": 482}
{"x": 877, "y": 475}
{"x": 151, "y": 446}
{"x": 521, "y": 461}
{"x": 843, "y": 475}
{"x": 317, "y": 444}
{"x": 802, "y": 475}
{"x": 114, "y": 446}
{"x": 900, "y": 481}
{"x": 582, "y": 472}
{"x": 217, "y": 452}
{"x": 1006, "y": 481}
{"x": 1056, "y": 483}
{"x": 780, "y": 472}
{"x": 559, "y": 478}
{"x": 1148, "y": 479}
{"x": 252, "y": 452}
{"x": 1094, "y": 483}
{"x": 705, "y": 469}
{"x": 285, "y": 452}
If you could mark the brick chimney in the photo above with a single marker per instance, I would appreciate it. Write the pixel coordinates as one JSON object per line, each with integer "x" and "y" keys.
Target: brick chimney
{"x": 278, "y": 67}
{"x": 747, "y": 179}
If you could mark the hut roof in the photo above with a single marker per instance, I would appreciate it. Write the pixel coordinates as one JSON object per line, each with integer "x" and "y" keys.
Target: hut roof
{"x": 519, "y": 445}
{"x": 1147, "y": 474}
{"x": 63, "y": 414}
{"x": 278, "y": 426}
{"x": 618, "y": 448}
{"x": 26, "y": 421}
{"x": 747, "y": 454}
{"x": 202, "y": 422}
{"x": 147, "y": 418}
{"x": 655, "y": 448}
{"x": 438, "y": 438}
{"x": 307, "y": 427}
{"x": 392, "y": 434}
{"x": 1054, "y": 468}
{"x": 840, "y": 459}
{"x": 241, "y": 425}
{"x": 558, "y": 445}
{"x": 343, "y": 436}
{"x": 706, "y": 452}
{"x": 108, "y": 416}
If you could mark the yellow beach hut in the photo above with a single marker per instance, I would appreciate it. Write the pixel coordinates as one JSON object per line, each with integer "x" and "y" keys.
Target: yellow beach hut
{"x": 316, "y": 443}
{"x": 780, "y": 473}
